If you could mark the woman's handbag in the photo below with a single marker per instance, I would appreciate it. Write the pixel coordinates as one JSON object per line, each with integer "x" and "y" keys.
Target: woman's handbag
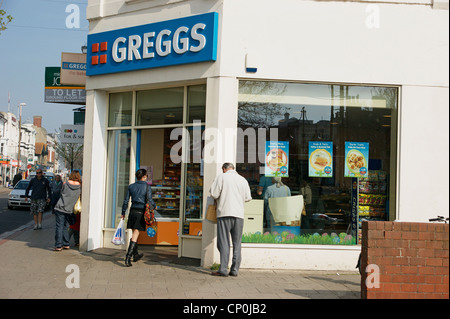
{"x": 211, "y": 212}
{"x": 77, "y": 207}
{"x": 149, "y": 214}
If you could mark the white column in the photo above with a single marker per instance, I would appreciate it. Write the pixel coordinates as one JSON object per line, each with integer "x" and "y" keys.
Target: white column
{"x": 220, "y": 147}
{"x": 94, "y": 171}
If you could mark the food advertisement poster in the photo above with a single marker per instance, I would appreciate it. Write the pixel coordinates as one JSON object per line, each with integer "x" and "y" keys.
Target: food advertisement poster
{"x": 356, "y": 159}
{"x": 277, "y": 159}
{"x": 320, "y": 159}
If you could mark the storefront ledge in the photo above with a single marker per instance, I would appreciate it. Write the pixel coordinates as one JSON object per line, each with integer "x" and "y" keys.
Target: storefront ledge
{"x": 191, "y": 237}
{"x": 108, "y": 234}
{"x": 300, "y": 257}
{"x": 191, "y": 246}
{"x": 294, "y": 246}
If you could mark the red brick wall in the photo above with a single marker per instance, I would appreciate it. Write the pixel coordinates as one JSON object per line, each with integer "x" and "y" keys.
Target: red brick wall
{"x": 412, "y": 259}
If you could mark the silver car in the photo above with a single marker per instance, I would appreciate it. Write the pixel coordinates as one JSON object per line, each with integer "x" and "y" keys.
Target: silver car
{"x": 17, "y": 196}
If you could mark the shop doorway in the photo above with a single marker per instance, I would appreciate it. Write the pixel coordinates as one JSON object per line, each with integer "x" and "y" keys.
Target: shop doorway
{"x": 177, "y": 186}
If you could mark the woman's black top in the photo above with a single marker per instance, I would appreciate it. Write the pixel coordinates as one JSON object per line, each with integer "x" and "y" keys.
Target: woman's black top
{"x": 137, "y": 193}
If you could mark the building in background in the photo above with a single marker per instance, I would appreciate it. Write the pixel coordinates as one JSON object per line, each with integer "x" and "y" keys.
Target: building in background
{"x": 36, "y": 148}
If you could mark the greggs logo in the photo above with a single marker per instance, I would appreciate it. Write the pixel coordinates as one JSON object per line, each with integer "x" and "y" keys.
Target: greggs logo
{"x": 102, "y": 48}
{"x": 180, "y": 41}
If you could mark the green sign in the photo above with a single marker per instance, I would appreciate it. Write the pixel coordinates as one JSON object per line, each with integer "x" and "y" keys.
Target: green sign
{"x": 57, "y": 93}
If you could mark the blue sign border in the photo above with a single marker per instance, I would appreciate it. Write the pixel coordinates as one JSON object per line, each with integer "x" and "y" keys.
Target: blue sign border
{"x": 328, "y": 170}
{"x": 282, "y": 171}
{"x": 107, "y": 65}
{"x": 363, "y": 148}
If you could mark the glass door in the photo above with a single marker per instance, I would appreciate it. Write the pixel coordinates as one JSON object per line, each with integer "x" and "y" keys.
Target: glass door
{"x": 117, "y": 181}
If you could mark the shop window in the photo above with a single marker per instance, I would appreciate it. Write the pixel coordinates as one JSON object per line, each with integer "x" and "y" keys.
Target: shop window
{"x": 117, "y": 180}
{"x": 192, "y": 223}
{"x": 160, "y": 106}
{"x": 119, "y": 113}
{"x": 333, "y": 144}
{"x": 196, "y": 103}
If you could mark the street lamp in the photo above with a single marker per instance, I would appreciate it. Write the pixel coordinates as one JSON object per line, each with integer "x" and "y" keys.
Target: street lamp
{"x": 20, "y": 133}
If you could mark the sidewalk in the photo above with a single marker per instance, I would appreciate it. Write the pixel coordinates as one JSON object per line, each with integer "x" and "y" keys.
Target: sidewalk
{"x": 31, "y": 269}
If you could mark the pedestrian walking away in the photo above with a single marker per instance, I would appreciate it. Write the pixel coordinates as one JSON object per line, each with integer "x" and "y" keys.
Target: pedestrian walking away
{"x": 70, "y": 192}
{"x": 56, "y": 187}
{"x": 40, "y": 196}
{"x": 230, "y": 190}
{"x": 138, "y": 192}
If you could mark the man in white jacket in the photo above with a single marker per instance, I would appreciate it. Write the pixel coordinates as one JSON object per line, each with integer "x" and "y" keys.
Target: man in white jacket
{"x": 230, "y": 190}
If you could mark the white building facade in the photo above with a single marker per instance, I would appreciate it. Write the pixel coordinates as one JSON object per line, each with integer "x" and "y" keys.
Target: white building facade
{"x": 329, "y": 79}
{"x": 9, "y": 142}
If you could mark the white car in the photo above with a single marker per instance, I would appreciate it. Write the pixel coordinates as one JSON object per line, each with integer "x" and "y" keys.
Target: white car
{"x": 17, "y": 196}
{"x": 48, "y": 175}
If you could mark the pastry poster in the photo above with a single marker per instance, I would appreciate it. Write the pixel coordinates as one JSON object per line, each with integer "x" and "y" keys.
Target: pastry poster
{"x": 277, "y": 159}
{"x": 320, "y": 159}
{"x": 356, "y": 159}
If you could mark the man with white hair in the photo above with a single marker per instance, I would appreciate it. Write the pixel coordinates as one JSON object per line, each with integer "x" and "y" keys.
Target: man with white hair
{"x": 230, "y": 190}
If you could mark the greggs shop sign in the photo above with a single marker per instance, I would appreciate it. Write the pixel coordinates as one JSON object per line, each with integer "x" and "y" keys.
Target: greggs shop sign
{"x": 186, "y": 40}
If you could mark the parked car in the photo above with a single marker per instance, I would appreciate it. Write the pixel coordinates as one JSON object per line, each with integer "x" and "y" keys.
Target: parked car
{"x": 17, "y": 196}
{"x": 48, "y": 175}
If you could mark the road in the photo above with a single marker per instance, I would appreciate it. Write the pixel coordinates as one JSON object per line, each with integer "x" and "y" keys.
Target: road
{"x": 12, "y": 219}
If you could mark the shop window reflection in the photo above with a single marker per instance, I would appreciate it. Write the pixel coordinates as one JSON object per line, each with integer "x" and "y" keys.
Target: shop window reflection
{"x": 192, "y": 224}
{"x": 315, "y": 112}
{"x": 159, "y": 106}
{"x": 196, "y": 103}
{"x": 119, "y": 113}
{"x": 118, "y": 174}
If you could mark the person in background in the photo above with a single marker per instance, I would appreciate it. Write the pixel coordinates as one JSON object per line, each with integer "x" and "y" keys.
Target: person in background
{"x": 306, "y": 191}
{"x": 40, "y": 196}
{"x": 230, "y": 190}
{"x": 264, "y": 182}
{"x": 56, "y": 187}
{"x": 16, "y": 178}
{"x": 138, "y": 192}
{"x": 74, "y": 230}
{"x": 70, "y": 192}
{"x": 277, "y": 189}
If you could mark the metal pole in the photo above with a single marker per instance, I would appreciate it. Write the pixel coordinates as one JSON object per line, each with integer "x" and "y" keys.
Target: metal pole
{"x": 20, "y": 134}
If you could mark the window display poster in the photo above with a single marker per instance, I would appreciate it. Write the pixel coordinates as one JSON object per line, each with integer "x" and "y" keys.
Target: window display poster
{"x": 277, "y": 159}
{"x": 320, "y": 159}
{"x": 356, "y": 159}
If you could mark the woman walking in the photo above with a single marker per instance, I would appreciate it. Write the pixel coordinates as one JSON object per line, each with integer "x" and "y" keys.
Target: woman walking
{"x": 64, "y": 207}
{"x": 140, "y": 192}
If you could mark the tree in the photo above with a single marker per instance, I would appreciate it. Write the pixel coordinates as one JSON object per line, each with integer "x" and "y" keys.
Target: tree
{"x": 69, "y": 152}
{"x": 4, "y": 19}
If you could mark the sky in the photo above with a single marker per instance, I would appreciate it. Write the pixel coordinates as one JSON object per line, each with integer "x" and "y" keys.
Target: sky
{"x": 32, "y": 41}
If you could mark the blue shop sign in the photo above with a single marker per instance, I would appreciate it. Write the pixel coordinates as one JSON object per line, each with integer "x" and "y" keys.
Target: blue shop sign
{"x": 180, "y": 41}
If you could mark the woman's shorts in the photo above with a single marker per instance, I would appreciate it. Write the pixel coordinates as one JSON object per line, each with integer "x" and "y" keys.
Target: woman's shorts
{"x": 37, "y": 206}
{"x": 136, "y": 220}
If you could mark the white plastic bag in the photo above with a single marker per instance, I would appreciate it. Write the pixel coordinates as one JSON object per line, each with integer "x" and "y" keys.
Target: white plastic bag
{"x": 119, "y": 235}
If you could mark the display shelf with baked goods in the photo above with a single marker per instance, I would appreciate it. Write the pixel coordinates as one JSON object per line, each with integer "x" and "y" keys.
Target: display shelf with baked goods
{"x": 372, "y": 195}
{"x": 167, "y": 200}
{"x": 372, "y": 198}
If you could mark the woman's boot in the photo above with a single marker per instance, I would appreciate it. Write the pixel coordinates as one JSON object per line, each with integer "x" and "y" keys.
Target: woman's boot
{"x": 136, "y": 254}
{"x": 129, "y": 253}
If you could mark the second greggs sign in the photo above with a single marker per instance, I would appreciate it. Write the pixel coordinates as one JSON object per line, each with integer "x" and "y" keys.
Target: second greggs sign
{"x": 186, "y": 40}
